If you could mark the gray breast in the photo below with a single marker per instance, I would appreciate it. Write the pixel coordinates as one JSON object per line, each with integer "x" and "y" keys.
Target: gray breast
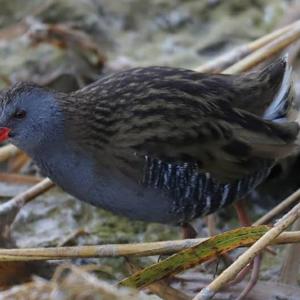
{"x": 169, "y": 193}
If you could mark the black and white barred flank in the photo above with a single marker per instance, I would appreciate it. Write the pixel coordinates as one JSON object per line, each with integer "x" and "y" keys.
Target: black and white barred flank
{"x": 196, "y": 193}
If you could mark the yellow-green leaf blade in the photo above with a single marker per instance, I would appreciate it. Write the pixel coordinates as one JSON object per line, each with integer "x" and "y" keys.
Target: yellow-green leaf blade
{"x": 188, "y": 258}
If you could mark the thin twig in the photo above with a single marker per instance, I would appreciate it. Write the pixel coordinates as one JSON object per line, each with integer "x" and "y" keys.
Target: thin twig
{"x": 117, "y": 250}
{"x": 9, "y": 209}
{"x": 282, "y": 206}
{"x": 231, "y": 57}
{"x": 229, "y": 274}
{"x": 265, "y": 52}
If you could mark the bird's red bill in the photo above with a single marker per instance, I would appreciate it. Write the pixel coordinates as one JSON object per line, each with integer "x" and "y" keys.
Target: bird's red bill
{"x": 4, "y": 131}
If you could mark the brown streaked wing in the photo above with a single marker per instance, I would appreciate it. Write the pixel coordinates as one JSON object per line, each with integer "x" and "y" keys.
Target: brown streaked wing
{"x": 228, "y": 144}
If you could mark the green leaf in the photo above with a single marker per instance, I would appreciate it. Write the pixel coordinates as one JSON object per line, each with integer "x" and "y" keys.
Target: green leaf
{"x": 188, "y": 258}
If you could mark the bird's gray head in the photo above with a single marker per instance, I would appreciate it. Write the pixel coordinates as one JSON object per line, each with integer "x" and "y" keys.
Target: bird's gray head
{"x": 29, "y": 116}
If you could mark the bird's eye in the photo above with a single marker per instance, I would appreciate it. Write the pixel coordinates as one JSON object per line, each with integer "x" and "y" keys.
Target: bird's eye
{"x": 20, "y": 114}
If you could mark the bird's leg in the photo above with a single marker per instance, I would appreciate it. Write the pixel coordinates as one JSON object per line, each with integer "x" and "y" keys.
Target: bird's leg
{"x": 253, "y": 278}
{"x": 211, "y": 224}
{"x": 188, "y": 231}
{"x": 255, "y": 264}
{"x": 242, "y": 214}
{"x": 244, "y": 218}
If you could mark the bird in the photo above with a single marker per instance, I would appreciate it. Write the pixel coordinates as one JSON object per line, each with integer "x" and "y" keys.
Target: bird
{"x": 157, "y": 144}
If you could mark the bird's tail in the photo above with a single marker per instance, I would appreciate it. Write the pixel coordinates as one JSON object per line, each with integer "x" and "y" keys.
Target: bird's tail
{"x": 283, "y": 108}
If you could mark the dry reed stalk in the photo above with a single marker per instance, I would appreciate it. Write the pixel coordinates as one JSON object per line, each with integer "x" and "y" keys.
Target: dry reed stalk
{"x": 9, "y": 209}
{"x": 282, "y": 206}
{"x": 266, "y": 51}
{"x": 231, "y": 57}
{"x": 117, "y": 250}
